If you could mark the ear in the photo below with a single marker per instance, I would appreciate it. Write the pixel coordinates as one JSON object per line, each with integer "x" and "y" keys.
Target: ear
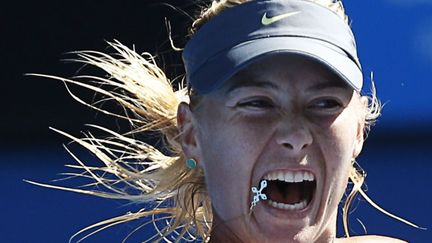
{"x": 187, "y": 126}
{"x": 358, "y": 146}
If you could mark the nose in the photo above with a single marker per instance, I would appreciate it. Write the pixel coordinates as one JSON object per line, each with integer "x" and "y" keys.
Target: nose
{"x": 294, "y": 135}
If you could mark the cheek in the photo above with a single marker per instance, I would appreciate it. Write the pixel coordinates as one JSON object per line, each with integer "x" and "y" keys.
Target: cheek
{"x": 233, "y": 148}
{"x": 337, "y": 149}
{"x": 230, "y": 148}
{"x": 340, "y": 145}
{"x": 231, "y": 139}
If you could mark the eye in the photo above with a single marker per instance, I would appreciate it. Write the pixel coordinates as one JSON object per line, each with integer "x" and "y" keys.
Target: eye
{"x": 326, "y": 104}
{"x": 257, "y": 103}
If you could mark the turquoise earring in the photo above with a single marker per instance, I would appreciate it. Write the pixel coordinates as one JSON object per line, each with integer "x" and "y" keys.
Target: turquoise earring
{"x": 191, "y": 164}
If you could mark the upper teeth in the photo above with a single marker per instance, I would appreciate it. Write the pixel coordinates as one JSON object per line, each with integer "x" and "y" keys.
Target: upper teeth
{"x": 290, "y": 176}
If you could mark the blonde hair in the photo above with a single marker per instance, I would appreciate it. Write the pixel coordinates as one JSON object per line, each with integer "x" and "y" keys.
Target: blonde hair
{"x": 137, "y": 83}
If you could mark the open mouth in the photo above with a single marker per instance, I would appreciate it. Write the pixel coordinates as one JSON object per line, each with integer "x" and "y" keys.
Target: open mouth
{"x": 289, "y": 190}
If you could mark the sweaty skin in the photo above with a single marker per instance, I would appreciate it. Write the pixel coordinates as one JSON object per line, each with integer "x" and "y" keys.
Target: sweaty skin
{"x": 284, "y": 113}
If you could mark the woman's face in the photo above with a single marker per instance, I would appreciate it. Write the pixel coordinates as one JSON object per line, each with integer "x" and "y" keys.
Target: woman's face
{"x": 290, "y": 121}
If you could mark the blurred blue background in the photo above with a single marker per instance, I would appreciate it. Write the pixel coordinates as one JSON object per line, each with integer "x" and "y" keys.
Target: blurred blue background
{"x": 395, "y": 43}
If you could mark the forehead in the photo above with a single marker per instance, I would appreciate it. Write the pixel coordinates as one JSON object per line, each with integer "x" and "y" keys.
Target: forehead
{"x": 285, "y": 71}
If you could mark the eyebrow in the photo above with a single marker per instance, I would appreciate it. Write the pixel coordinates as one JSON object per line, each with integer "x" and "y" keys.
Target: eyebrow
{"x": 252, "y": 83}
{"x": 328, "y": 85}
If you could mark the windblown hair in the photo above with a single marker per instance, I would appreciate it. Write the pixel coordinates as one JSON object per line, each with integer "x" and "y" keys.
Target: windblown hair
{"x": 158, "y": 176}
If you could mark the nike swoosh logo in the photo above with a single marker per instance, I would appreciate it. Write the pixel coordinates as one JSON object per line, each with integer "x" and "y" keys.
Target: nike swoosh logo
{"x": 267, "y": 21}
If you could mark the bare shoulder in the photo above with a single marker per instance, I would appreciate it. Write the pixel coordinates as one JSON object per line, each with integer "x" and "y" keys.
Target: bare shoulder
{"x": 371, "y": 239}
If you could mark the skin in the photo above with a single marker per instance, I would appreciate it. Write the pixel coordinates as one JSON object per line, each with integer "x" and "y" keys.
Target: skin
{"x": 280, "y": 113}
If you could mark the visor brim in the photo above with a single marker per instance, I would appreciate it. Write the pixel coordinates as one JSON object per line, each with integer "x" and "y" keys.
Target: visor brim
{"x": 224, "y": 65}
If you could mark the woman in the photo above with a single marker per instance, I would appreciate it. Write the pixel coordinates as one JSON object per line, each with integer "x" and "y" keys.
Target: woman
{"x": 263, "y": 145}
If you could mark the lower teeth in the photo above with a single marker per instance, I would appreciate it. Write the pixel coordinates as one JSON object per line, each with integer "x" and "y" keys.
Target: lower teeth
{"x": 296, "y": 206}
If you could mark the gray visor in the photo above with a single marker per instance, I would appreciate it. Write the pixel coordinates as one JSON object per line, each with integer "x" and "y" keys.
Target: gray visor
{"x": 256, "y": 29}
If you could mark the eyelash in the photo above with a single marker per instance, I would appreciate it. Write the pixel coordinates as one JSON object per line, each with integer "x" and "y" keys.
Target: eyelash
{"x": 258, "y": 103}
{"x": 330, "y": 104}
{"x": 325, "y": 104}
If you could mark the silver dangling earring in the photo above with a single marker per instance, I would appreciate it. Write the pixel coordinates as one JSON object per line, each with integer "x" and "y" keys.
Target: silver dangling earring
{"x": 191, "y": 164}
{"x": 259, "y": 195}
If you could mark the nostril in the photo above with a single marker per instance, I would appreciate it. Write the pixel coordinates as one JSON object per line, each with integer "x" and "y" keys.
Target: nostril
{"x": 288, "y": 145}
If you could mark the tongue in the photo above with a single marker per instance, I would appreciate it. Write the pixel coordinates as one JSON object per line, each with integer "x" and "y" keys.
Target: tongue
{"x": 288, "y": 193}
